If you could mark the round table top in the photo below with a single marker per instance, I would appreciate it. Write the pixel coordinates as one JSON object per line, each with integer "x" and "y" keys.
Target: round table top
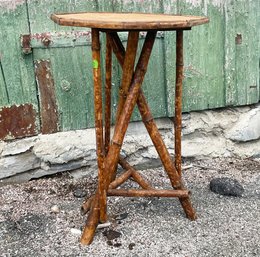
{"x": 128, "y": 21}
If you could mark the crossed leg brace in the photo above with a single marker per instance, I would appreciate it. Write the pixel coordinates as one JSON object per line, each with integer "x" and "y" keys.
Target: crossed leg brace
{"x": 108, "y": 150}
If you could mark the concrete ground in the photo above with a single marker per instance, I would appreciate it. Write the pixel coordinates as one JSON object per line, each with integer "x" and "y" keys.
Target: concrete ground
{"x": 226, "y": 226}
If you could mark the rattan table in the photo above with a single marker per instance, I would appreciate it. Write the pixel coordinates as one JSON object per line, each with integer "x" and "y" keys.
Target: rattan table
{"x": 130, "y": 94}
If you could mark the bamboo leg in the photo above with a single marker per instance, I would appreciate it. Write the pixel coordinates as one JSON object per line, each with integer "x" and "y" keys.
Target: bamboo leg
{"x": 108, "y": 92}
{"x": 118, "y": 48}
{"x": 91, "y": 225}
{"x": 156, "y": 137}
{"x": 99, "y": 122}
{"x": 98, "y": 210}
{"x": 178, "y": 99}
{"x": 167, "y": 162}
{"x": 128, "y": 69}
{"x": 185, "y": 202}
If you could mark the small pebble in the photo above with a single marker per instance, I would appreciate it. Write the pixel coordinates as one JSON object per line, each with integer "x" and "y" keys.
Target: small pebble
{"x": 109, "y": 243}
{"x": 121, "y": 216}
{"x": 111, "y": 234}
{"x": 104, "y": 225}
{"x": 55, "y": 209}
{"x": 131, "y": 246}
{"x": 79, "y": 193}
{"x": 117, "y": 244}
{"x": 75, "y": 231}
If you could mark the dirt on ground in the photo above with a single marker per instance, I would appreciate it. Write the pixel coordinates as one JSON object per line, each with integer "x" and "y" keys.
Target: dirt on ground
{"x": 42, "y": 217}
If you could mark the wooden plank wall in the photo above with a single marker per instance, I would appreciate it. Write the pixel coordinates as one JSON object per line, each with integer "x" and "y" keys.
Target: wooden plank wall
{"x": 221, "y": 58}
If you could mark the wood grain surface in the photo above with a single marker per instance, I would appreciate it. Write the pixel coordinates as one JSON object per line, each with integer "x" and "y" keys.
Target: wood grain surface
{"x": 128, "y": 21}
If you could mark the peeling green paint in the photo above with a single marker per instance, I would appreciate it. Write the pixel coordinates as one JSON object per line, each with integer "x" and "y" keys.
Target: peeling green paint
{"x": 95, "y": 64}
{"x": 6, "y": 5}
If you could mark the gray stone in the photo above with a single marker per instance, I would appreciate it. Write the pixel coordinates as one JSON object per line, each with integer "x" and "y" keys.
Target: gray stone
{"x": 64, "y": 147}
{"x": 247, "y": 128}
{"x": 111, "y": 234}
{"x": 121, "y": 216}
{"x": 18, "y": 146}
{"x": 55, "y": 209}
{"x": 226, "y": 186}
{"x": 79, "y": 193}
{"x": 49, "y": 170}
{"x": 12, "y": 165}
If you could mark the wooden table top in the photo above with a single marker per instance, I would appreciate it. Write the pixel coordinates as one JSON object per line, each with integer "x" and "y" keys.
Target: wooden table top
{"x": 128, "y": 21}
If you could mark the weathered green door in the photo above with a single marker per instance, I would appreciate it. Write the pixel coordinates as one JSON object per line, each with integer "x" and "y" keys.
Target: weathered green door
{"x": 46, "y": 86}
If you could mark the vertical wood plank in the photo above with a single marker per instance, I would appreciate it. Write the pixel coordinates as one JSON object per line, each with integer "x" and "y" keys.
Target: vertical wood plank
{"x": 247, "y": 36}
{"x": 242, "y": 45}
{"x": 230, "y": 54}
{"x": 170, "y": 7}
{"x": 49, "y": 110}
{"x": 16, "y": 73}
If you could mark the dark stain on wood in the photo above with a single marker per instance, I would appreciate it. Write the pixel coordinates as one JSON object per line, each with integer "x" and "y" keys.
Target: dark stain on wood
{"x": 26, "y": 44}
{"x": 17, "y": 121}
{"x": 238, "y": 39}
{"x": 47, "y": 97}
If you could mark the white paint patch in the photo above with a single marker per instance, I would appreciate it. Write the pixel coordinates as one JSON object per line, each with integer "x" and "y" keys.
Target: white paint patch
{"x": 10, "y": 4}
{"x": 206, "y": 3}
{"x": 194, "y": 3}
{"x": 218, "y": 3}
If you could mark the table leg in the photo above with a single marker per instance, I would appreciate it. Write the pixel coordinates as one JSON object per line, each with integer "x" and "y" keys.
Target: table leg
{"x": 99, "y": 122}
{"x": 178, "y": 99}
{"x": 128, "y": 69}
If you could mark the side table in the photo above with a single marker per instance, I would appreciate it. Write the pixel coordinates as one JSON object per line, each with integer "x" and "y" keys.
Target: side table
{"x": 107, "y": 146}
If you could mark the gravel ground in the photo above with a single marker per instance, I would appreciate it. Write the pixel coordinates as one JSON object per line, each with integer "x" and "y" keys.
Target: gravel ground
{"x": 226, "y": 226}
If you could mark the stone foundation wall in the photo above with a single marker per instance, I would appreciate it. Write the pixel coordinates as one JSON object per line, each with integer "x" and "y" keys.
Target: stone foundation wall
{"x": 213, "y": 133}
